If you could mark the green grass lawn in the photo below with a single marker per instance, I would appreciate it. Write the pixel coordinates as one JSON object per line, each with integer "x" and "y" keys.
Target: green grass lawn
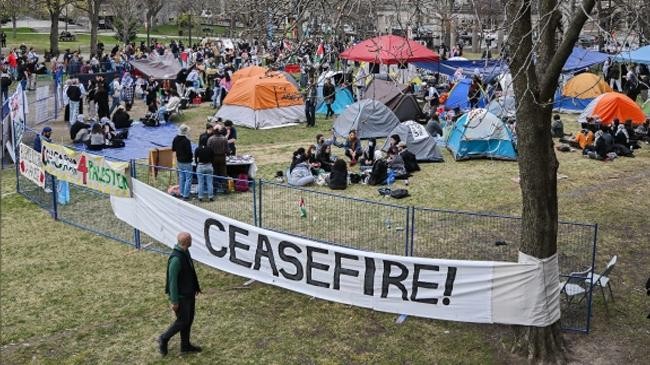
{"x": 41, "y": 42}
{"x": 72, "y": 297}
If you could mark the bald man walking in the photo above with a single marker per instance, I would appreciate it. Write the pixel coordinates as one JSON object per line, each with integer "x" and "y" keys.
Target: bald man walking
{"x": 182, "y": 287}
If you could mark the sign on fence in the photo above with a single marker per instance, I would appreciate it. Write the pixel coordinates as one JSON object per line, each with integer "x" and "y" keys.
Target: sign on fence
{"x": 91, "y": 171}
{"x": 41, "y": 105}
{"x": 30, "y": 165}
{"x": 522, "y": 293}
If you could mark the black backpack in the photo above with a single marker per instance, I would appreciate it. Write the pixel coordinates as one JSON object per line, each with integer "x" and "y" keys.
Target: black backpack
{"x": 379, "y": 173}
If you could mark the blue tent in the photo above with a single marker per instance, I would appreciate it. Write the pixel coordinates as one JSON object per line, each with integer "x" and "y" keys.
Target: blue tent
{"x": 481, "y": 134}
{"x": 641, "y": 55}
{"x": 581, "y": 58}
{"x": 342, "y": 99}
{"x": 458, "y": 96}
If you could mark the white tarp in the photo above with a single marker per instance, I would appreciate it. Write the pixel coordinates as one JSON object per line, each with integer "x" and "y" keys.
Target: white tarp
{"x": 523, "y": 293}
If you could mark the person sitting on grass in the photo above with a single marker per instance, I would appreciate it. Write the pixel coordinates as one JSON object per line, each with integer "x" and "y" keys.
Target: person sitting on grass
{"x": 396, "y": 163}
{"x": 325, "y": 158}
{"x": 557, "y": 127}
{"x": 338, "y": 178}
{"x": 300, "y": 170}
{"x": 643, "y": 131}
{"x": 582, "y": 139}
{"x": 121, "y": 118}
{"x": 97, "y": 140}
{"x": 352, "y": 146}
{"x": 368, "y": 157}
{"x": 410, "y": 161}
{"x": 312, "y": 159}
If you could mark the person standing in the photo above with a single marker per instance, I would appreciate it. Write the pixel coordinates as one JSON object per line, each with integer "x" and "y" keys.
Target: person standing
{"x": 74, "y": 95}
{"x": 329, "y": 95}
{"x": 204, "y": 157}
{"x": 310, "y": 106}
{"x": 116, "y": 89}
{"x": 231, "y": 136}
{"x": 3, "y": 39}
{"x": 46, "y": 135}
{"x": 5, "y": 82}
{"x": 182, "y": 286}
{"x": 183, "y": 148}
{"x": 218, "y": 144}
{"x": 127, "y": 89}
{"x": 101, "y": 99}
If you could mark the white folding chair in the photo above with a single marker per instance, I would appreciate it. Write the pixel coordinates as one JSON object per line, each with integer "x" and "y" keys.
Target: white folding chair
{"x": 575, "y": 286}
{"x": 603, "y": 281}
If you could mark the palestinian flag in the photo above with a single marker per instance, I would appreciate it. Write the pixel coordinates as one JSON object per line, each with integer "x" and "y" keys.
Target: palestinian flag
{"x": 302, "y": 208}
{"x": 320, "y": 52}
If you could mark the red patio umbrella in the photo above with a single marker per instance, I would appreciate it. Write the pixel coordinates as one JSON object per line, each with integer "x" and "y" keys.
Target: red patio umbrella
{"x": 389, "y": 50}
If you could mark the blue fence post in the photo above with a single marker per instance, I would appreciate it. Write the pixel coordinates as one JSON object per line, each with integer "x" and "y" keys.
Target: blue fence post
{"x": 254, "y": 203}
{"x": 136, "y": 232}
{"x": 407, "y": 231}
{"x": 55, "y": 205}
{"x": 412, "y": 233}
{"x": 259, "y": 204}
{"x": 593, "y": 268}
{"x": 56, "y": 99}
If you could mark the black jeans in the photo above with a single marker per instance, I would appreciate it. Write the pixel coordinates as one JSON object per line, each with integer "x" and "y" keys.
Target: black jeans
{"x": 310, "y": 114}
{"x": 330, "y": 111}
{"x": 183, "y": 322}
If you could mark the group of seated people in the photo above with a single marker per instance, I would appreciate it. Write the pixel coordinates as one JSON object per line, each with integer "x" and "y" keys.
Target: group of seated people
{"x": 600, "y": 141}
{"x": 105, "y": 133}
{"x": 317, "y": 163}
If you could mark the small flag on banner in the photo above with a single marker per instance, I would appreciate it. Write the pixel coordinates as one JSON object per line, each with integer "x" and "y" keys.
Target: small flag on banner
{"x": 302, "y": 208}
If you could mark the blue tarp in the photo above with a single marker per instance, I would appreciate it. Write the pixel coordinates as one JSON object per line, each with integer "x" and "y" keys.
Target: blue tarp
{"x": 565, "y": 104}
{"x": 459, "y": 96}
{"x": 342, "y": 99}
{"x": 141, "y": 140}
{"x": 641, "y": 55}
{"x": 581, "y": 58}
{"x": 488, "y": 71}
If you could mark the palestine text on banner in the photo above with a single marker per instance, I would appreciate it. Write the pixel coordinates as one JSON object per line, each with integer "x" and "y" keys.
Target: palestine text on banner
{"x": 524, "y": 292}
{"x": 30, "y": 165}
{"x": 84, "y": 169}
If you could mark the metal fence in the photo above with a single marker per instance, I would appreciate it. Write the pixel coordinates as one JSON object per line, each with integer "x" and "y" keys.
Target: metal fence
{"x": 45, "y": 102}
{"x": 334, "y": 219}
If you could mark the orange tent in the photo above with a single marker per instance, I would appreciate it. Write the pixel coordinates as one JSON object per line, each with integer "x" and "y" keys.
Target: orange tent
{"x": 610, "y": 106}
{"x": 263, "y": 102}
{"x": 248, "y": 72}
{"x": 585, "y": 86}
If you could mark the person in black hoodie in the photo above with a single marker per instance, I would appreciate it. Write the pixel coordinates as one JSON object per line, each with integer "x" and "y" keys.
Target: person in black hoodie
{"x": 325, "y": 158}
{"x": 338, "y": 178}
{"x": 121, "y": 118}
{"x": 101, "y": 99}
{"x": 410, "y": 161}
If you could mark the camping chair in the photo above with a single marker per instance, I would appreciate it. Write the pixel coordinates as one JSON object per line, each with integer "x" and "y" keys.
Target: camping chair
{"x": 575, "y": 285}
{"x": 602, "y": 280}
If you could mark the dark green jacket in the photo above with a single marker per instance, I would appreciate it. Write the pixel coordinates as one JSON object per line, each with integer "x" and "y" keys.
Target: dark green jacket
{"x": 181, "y": 277}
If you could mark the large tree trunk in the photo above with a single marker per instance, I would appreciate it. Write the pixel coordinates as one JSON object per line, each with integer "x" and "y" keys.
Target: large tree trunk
{"x": 94, "y": 25}
{"x": 54, "y": 31}
{"x": 14, "y": 27}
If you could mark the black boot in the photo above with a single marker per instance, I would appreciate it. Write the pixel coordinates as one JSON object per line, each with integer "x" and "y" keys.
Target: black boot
{"x": 162, "y": 346}
{"x": 190, "y": 348}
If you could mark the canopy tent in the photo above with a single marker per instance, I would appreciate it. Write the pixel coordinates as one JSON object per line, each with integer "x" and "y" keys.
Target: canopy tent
{"x": 342, "y": 99}
{"x": 579, "y": 91}
{"x": 335, "y": 76}
{"x": 641, "y": 55}
{"x": 370, "y": 118}
{"x": 156, "y": 67}
{"x": 503, "y": 107}
{"x": 581, "y": 58}
{"x": 610, "y": 106}
{"x": 263, "y": 102}
{"x": 459, "y": 96}
{"x": 481, "y": 134}
{"x": 249, "y": 71}
{"x": 393, "y": 95}
{"x": 418, "y": 141}
{"x": 389, "y": 50}
{"x": 488, "y": 70}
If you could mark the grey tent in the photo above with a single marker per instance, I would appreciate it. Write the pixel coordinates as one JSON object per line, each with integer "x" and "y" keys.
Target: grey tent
{"x": 418, "y": 141}
{"x": 503, "y": 107}
{"x": 396, "y": 97}
{"x": 370, "y": 118}
{"x": 164, "y": 67}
